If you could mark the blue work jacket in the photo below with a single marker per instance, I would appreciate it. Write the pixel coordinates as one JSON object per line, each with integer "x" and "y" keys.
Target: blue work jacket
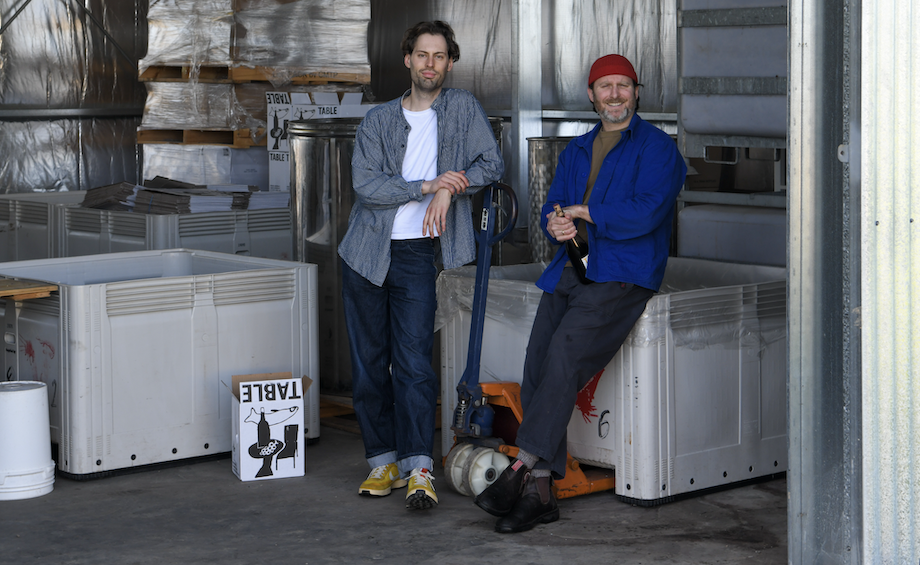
{"x": 632, "y": 205}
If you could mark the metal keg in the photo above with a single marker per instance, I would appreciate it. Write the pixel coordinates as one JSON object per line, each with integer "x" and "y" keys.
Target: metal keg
{"x": 542, "y": 157}
{"x": 321, "y": 199}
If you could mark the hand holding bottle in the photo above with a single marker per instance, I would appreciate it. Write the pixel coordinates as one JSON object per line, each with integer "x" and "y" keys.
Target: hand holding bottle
{"x": 563, "y": 229}
{"x": 559, "y": 225}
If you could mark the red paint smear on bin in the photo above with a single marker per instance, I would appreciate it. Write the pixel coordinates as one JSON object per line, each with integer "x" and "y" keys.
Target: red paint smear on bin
{"x": 585, "y": 400}
{"x": 48, "y": 348}
{"x": 30, "y": 352}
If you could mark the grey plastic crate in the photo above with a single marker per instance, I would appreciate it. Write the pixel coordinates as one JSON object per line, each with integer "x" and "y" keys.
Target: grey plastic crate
{"x": 258, "y": 233}
{"x": 28, "y": 223}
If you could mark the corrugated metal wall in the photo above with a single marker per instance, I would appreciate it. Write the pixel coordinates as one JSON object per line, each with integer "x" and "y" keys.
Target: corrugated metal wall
{"x": 70, "y": 101}
{"x": 890, "y": 312}
{"x": 572, "y": 38}
{"x": 854, "y": 282}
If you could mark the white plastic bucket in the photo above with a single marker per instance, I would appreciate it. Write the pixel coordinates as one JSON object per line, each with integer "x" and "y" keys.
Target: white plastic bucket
{"x": 26, "y": 467}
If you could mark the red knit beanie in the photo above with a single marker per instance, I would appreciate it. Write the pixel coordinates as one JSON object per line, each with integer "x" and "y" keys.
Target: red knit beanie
{"x": 612, "y": 65}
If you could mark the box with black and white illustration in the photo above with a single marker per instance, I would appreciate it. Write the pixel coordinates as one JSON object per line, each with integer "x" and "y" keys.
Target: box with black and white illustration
{"x": 283, "y": 107}
{"x": 268, "y": 434}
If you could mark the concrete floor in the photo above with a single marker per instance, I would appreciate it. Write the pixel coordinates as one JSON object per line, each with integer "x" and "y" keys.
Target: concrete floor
{"x": 201, "y": 513}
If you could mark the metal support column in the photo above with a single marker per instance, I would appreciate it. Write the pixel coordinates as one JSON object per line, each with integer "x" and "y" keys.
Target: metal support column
{"x": 821, "y": 479}
{"x": 526, "y": 94}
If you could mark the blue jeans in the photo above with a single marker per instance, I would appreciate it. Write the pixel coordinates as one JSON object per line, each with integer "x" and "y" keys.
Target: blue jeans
{"x": 391, "y": 334}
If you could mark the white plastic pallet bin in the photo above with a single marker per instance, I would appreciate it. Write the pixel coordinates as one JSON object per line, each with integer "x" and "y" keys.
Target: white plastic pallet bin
{"x": 695, "y": 398}
{"x": 138, "y": 349}
{"x": 257, "y": 233}
{"x": 29, "y": 223}
{"x": 512, "y": 305}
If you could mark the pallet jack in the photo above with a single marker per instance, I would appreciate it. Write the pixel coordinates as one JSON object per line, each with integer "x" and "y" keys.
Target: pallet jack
{"x": 488, "y": 415}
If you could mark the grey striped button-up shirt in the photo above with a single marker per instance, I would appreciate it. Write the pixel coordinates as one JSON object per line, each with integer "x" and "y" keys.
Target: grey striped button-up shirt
{"x": 466, "y": 142}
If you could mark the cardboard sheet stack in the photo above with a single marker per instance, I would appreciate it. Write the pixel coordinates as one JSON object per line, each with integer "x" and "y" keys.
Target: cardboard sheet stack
{"x": 119, "y": 196}
{"x": 167, "y": 196}
{"x": 183, "y": 201}
{"x": 264, "y": 200}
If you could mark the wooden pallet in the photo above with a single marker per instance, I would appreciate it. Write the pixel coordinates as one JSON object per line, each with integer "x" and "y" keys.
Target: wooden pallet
{"x": 262, "y": 74}
{"x": 25, "y": 289}
{"x": 237, "y": 139}
{"x": 165, "y": 73}
{"x": 222, "y": 75}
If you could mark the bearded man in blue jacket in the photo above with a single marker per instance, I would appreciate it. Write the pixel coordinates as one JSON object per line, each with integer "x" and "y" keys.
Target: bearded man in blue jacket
{"x": 617, "y": 186}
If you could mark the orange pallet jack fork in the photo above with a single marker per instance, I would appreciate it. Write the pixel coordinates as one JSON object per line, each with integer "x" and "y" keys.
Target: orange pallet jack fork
{"x": 578, "y": 479}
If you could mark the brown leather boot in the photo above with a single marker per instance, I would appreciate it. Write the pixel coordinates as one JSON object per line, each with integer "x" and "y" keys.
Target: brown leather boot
{"x": 537, "y": 505}
{"x": 500, "y": 497}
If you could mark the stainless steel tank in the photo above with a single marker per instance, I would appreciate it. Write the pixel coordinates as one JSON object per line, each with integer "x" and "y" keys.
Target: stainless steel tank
{"x": 321, "y": 200}
{"x": 542, "y": 157}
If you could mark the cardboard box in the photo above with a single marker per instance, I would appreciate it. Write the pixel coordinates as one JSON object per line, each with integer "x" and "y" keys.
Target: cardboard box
{"x": 282, "y": 107}
{"x": 268, "y": 436}
{"x": 279, "y": 171}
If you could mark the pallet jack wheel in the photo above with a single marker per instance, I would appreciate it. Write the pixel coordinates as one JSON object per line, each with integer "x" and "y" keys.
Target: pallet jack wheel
{"x": 483, "y": 466}
{"x": 454, "y": 468}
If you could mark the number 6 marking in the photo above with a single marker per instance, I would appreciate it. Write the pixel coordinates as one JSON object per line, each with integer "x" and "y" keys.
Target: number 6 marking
{"x": 603, "y": 426}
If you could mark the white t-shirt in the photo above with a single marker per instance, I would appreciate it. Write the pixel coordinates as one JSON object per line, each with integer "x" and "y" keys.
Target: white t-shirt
{"x": 420, "y": 163}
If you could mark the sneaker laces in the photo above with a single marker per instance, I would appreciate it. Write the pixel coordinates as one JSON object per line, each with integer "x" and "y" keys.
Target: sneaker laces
{"x": 378, "y": 472}
{"x": 422, "y": 473}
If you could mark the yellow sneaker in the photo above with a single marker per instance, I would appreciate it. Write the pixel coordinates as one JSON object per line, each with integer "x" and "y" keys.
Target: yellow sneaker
{"x": 421, "y": 495}
{"x": 381, "y": 480}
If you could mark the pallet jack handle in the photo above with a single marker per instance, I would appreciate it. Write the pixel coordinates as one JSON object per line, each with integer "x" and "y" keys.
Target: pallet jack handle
{"x": 474, "y": 459}
{"x": 472, "y": 417}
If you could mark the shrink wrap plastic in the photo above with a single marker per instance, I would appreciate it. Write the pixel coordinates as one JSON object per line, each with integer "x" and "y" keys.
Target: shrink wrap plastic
{"x": 303, "y": 36}
{"x": 287, "y": 38}
{"x": 199, "y": 105}
{"x": 291, "y": 38}
{"x": 188, "y": 32}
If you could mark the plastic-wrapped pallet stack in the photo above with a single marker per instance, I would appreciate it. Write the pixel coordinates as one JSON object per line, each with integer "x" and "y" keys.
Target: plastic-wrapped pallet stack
{"x": 283, "y": 40}
{"x": 208, "y": 68}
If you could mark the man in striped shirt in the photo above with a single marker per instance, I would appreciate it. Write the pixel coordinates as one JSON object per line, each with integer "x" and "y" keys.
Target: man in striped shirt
{"x": 417, "y": 160}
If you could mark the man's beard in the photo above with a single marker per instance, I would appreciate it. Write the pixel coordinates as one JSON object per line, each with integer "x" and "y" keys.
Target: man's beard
{"x": 427, "y": 85}
{"x": 608, "y": 117}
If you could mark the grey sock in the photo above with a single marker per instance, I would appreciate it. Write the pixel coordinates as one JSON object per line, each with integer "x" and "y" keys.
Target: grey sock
{"x": 539, "y": 473}
{"x": 528, "y": 459}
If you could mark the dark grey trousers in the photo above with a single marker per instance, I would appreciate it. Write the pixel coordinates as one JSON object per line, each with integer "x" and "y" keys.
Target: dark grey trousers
{"x": 577, "y": 331}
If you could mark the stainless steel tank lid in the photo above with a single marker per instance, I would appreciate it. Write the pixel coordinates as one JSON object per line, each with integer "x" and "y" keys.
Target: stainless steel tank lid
{"x": 324, "y": 127}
